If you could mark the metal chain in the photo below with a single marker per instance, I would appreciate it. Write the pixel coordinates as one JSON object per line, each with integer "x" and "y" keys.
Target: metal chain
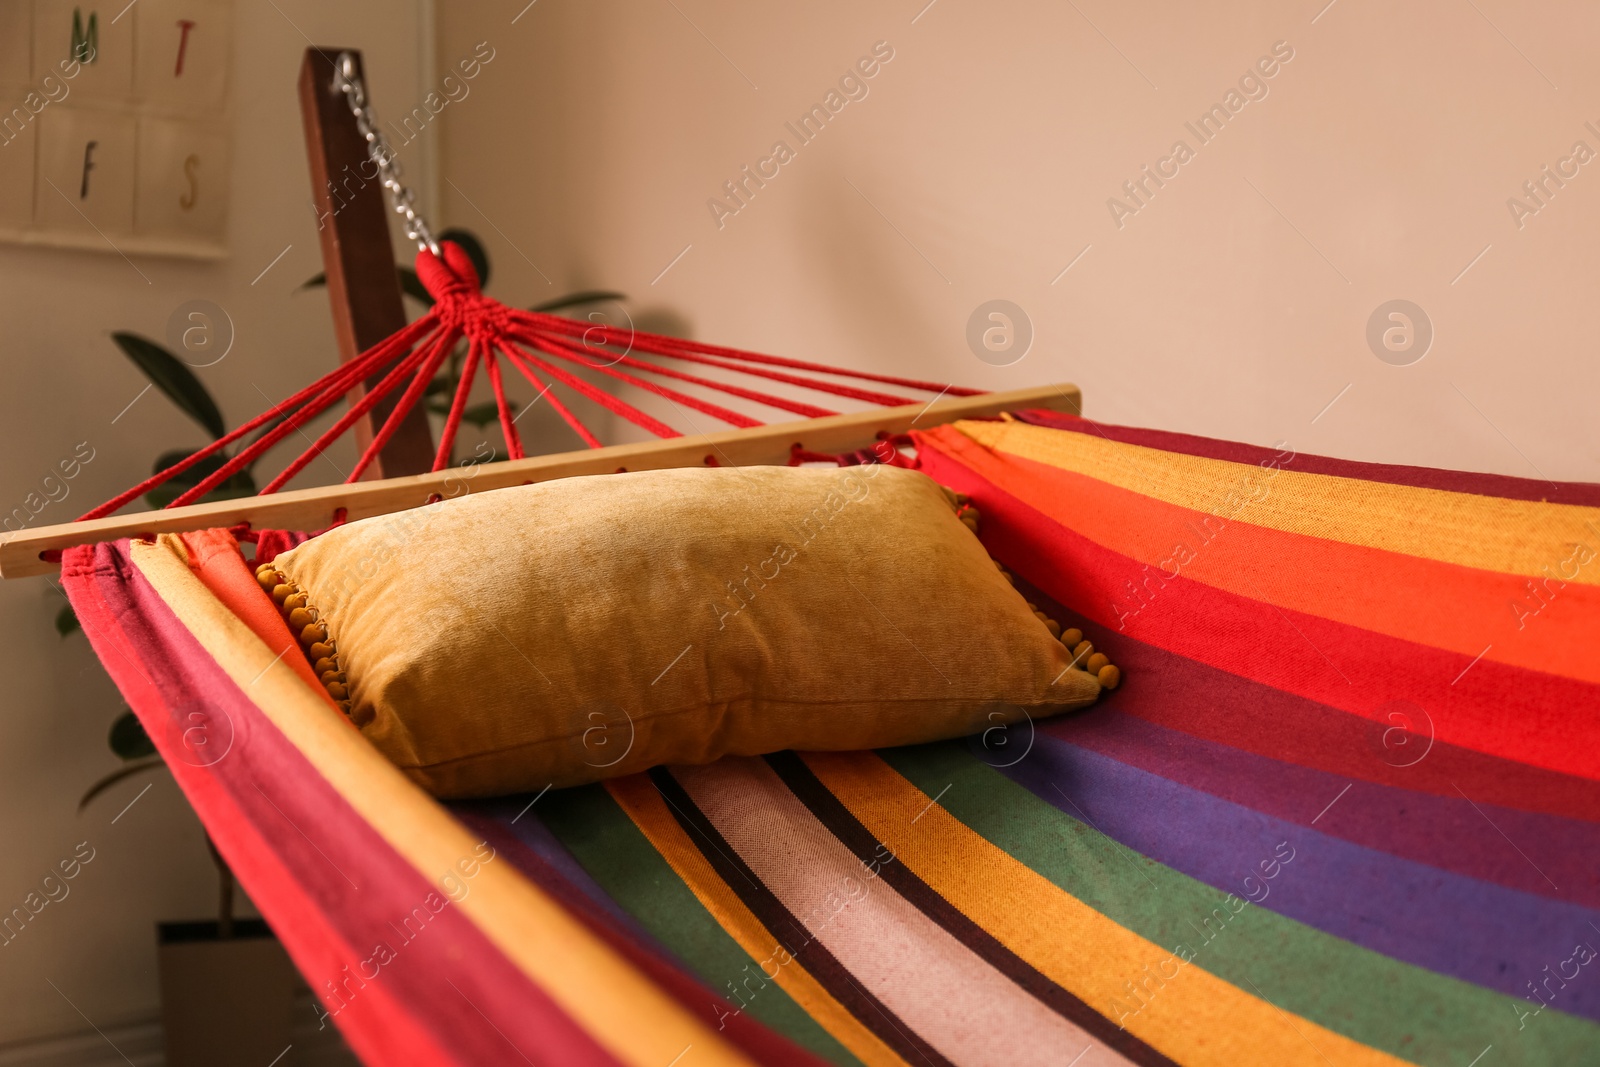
{"x": 381, "y": 152}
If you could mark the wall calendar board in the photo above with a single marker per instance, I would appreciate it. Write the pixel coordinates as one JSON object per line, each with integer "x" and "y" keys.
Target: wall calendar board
{"x": 114, "y": 129}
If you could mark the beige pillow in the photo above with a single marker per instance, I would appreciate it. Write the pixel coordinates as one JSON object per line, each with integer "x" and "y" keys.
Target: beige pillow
{"x": 583, "y": 628}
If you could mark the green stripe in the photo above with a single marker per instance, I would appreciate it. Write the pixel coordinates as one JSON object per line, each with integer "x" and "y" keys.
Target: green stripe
{"x": 1408, "y": 1011}
{"x": 596, "y": 830}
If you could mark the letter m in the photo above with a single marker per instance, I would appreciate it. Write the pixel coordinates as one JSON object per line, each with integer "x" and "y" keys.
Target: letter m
{"x": 85, "y": 42}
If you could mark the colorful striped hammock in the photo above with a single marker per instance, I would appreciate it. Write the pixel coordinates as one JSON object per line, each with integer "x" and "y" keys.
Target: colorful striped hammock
{"x": 1344, "y": 809}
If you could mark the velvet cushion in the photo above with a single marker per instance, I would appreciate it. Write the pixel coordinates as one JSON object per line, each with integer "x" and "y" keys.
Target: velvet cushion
{"x": 578, "y": 629}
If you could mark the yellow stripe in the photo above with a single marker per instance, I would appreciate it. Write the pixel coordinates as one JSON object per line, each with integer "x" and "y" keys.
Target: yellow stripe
{"x": 1195, "y": 1018}
{"x": 644, "y": 805}
{"x": 1509, "y": 536}
{"x": 594, "y": 985}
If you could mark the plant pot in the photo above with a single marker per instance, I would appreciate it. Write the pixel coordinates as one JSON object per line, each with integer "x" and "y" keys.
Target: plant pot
{"x": 224, "y": 1001}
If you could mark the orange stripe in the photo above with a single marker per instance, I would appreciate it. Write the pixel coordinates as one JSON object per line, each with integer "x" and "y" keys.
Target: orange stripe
{"x": 1489, "y": 533}
{"x": 640, "y": 799}
{"x": 215, "y": 558}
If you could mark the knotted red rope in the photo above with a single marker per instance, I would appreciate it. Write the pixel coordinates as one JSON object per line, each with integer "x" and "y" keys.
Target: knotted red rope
{"x": 536, "y": 345}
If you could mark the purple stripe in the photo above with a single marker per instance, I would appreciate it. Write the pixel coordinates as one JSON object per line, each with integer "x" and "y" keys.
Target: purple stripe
{"x": 1478, "y": 932}
{"x": 1586, "y": 494}
{"x": 446, "y": 974}
{"x": 550, "y": 864}
{"x": 1441, "y": 831}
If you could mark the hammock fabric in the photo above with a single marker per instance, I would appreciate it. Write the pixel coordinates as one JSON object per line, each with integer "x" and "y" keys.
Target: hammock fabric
{"x": 1345, "y": 808}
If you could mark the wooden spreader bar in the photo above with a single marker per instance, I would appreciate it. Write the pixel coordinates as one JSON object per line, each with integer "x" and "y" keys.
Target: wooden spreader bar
{"x": 313, "y": 509}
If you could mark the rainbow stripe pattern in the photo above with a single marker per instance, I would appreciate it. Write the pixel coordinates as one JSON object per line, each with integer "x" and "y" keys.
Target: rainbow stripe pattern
{"x": 1345, "y": 807}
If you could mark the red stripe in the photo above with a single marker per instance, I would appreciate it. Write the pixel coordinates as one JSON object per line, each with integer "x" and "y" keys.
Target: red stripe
{"x": 1510, "y": 712}
{"x": 1443, "y": 605}
{"x": 1202, "y": 701}
{"x": 314, "y": 943}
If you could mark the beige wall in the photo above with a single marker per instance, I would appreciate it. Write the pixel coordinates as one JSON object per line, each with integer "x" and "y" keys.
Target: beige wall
{"x": 1377, "y": 167}
{"x": 64, "y": 384}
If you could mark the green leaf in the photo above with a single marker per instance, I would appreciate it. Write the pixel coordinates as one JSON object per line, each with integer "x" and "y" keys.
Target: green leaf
{"x": 412, "y": 286}
{"x": 241, "y": 484}
{"x": 587, "y": 296}
{"x": 474, "y": 249}
{"x": 116, "y": 776}
{"x": 128, "y": 738}
{"x": 173, "y": 377}
{"x": 481, "y": 415}
{"x": 266, "y": 428}
{"x": 67, "y": 621}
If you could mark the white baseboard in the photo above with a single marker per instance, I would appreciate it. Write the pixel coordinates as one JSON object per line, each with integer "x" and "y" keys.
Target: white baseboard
{"x": 140, "y": 1044}
{"x": 117, "y": 1046}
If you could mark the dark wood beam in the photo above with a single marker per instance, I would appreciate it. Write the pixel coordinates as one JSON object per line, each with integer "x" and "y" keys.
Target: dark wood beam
{"x": 357, "y": 255}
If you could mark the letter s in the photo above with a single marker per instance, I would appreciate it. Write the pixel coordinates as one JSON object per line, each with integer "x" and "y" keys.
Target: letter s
{"x": 883, "y": 50}
{"x": 1283, "y": 50}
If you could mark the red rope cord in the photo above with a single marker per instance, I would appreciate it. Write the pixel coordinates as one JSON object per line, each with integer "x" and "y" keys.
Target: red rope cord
{"x": 851, "y": 392}
{"x": 452, "y": 421}
{"x": 662, "y": 346}
{"x": 418, "y": 350}
{"x": 396, "y": 374}
{"x": 599, "y": 396}
{"x": 810, "y": 411}
{"x": 798, "y": 455}
{"x": 571, "y": 326}
{"x": 242, "y": 459}
{"x": 667, "y": 348}
{"x": 350, "y": 372}
{"x": 544, "y": 390}
{"x": 553, "y": 346}
{"x": 508, "y": 422}
{"x": 291, "y": 424}
{"x": 408, "y": 400}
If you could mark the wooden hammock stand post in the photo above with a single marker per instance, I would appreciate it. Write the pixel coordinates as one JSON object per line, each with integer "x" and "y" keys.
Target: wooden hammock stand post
{"x": 359, "y": 260}
{"x": 357, "y": 254}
